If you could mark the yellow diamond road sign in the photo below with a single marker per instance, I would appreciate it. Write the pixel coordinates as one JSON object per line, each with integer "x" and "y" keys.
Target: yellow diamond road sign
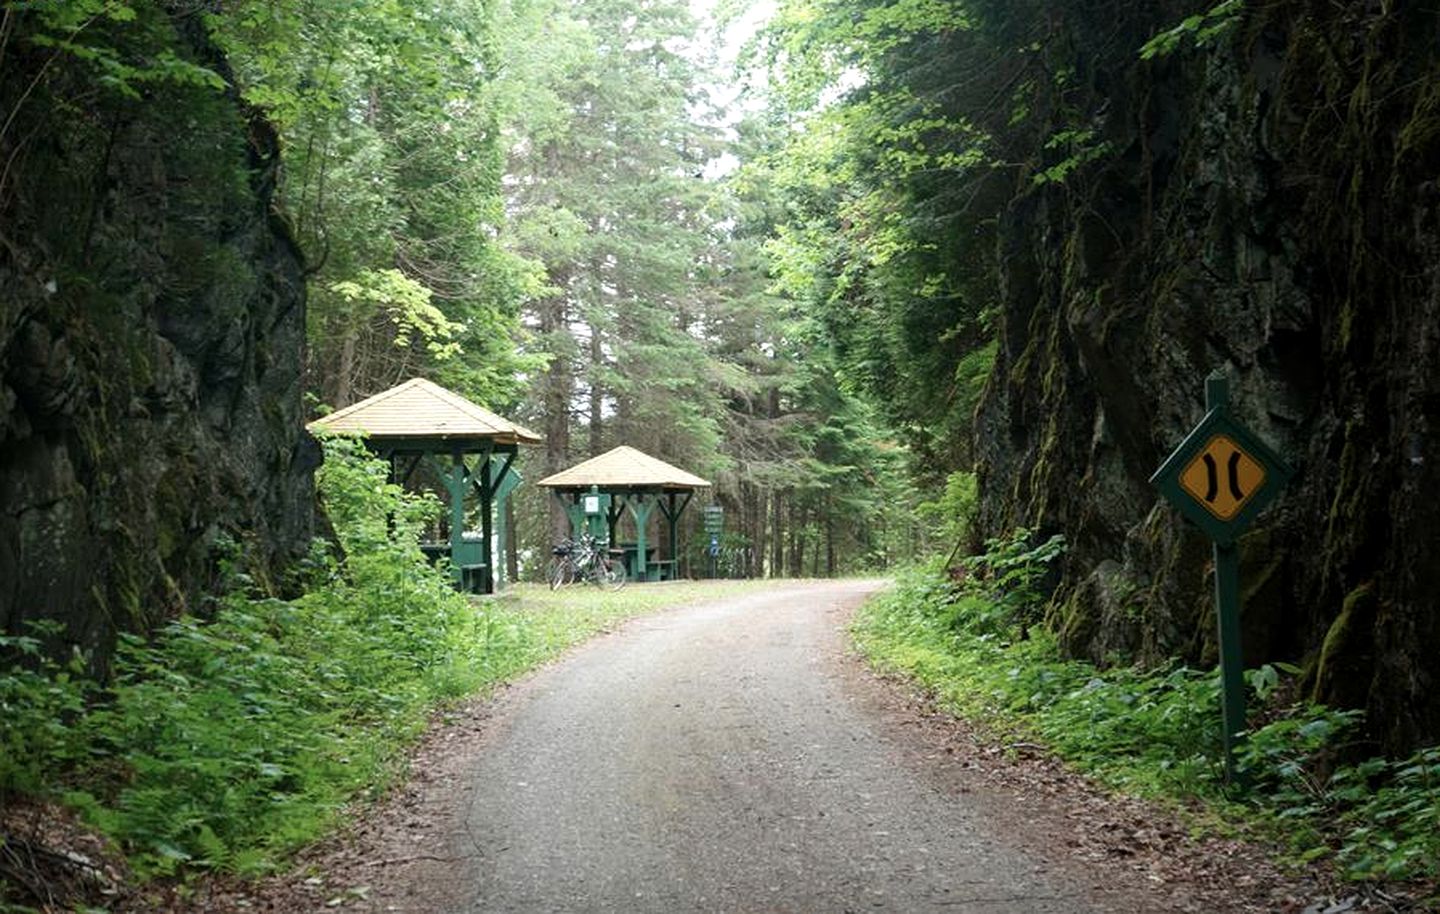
{"x": 1222, "y": 477}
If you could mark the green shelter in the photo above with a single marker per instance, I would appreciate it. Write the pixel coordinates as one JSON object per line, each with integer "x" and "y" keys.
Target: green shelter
{"x": 628, "y": 480}
{"x": 470, "y": 449}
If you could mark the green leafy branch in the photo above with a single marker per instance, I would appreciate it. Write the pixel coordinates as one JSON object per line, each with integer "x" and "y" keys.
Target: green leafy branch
{"x": 67, "y": 28}
{"x": 407, "y": 304}
{"x": 1083, "y": 148}
{"x": 1202, "y": 29}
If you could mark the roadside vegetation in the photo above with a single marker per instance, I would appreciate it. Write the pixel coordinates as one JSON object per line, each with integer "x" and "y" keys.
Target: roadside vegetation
{"x": 225, "y": 743}
{"x": 974, "y": 636}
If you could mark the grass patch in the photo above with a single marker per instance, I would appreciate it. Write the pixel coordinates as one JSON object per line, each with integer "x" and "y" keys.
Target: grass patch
{"x": 556, "y": 620}
{"x": 977, "y": 647}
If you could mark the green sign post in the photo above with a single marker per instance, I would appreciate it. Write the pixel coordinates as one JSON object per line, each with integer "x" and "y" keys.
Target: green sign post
{"x": 1220, "y": 478}
{"x": 714, "y": 528}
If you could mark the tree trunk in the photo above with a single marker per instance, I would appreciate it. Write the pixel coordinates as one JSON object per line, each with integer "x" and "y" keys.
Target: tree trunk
{"x": 345, "y": 371}
{"x": 829, "y": 538}
{"x": 597, "y": 393}
{"x": 777, "y": 535}
{"x": 512, "y": 553}
{"x": 757, "y": 529}
{"x": 556, "y": 391}
{"x": 815, "y": 558}
{"x": 797, "y": 542}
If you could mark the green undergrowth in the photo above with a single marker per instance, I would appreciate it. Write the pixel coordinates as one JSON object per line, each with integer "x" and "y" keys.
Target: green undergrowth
{"x": 976, "y": 645}
{"x": 224, "y": 743}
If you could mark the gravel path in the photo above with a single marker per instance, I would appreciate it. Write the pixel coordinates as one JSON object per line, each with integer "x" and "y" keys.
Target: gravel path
{"x": 737, "y": 757}
{"x": 713, "y": 759}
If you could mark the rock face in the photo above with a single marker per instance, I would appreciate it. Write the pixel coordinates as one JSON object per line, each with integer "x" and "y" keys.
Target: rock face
{"x": 151, "y": 334}
{"x": 1268, "y": 206}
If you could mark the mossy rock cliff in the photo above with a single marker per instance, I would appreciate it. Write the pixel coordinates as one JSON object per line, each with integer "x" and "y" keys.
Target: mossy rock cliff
{"x": 151, "y": 333}
{"x": 1270, "y": 206}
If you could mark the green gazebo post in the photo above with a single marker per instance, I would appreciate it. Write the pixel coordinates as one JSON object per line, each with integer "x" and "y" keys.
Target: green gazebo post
{"x": 672, "y": 516}
{"x": 640, "y": 509}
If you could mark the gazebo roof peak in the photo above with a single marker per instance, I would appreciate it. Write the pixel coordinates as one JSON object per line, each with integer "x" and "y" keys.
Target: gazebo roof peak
{"x": 419, "y": 409}
{"x": 624, "y": 467}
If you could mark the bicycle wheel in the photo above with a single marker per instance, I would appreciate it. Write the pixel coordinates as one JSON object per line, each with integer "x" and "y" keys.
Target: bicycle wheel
{"x": 561, "y": 573}
{"x": 612, "y": 576}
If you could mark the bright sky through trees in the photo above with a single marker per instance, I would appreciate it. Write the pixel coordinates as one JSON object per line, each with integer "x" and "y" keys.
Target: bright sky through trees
{"x": 727, "y": 26}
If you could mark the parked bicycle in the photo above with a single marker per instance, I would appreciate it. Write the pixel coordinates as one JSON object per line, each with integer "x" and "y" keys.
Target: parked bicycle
{"x": 560, "y": 570}
{"x": 586, "y": 559}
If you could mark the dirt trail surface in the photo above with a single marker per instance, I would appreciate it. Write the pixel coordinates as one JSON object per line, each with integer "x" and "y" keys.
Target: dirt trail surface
{"x": 719, "y": 759}
{"x": 711, "y": 760}
{"x": 737, "y": 757}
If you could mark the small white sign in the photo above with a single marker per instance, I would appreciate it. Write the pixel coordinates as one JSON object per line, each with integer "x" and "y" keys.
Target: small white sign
{"x": 592, "y": 504}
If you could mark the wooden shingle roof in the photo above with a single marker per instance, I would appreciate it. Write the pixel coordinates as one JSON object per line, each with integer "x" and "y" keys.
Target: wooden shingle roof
{"x": 422, "y": 409}
{"x": 624, "y": 467}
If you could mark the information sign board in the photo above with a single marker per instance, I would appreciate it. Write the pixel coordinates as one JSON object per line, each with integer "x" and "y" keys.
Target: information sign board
{"x": 714, "y": 518}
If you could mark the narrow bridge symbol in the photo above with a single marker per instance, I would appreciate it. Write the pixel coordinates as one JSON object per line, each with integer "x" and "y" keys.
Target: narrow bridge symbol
{"x": 1222, "y": 477}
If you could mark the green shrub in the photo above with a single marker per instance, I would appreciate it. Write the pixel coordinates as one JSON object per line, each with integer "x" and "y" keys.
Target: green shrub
{"x": 1005, "y": 580}
{"x": 39, "y": 700}
{"x": 1390, "y": 816}
{"x": 1152, "y": 731}
{"x": 224, "y": 742}
{"x": 949, "y": 515}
